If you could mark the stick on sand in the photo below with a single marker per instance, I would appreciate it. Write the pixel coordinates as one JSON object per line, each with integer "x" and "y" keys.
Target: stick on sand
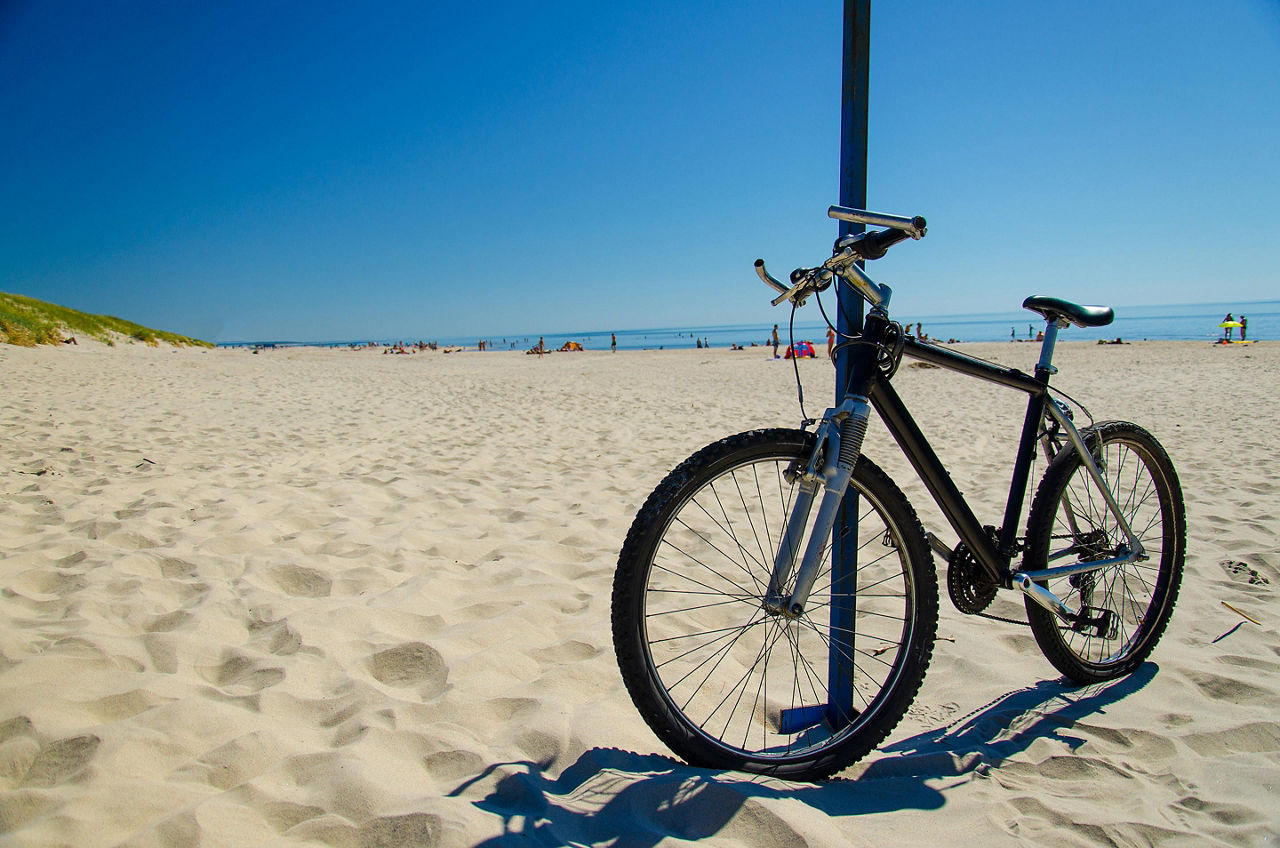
{"x": 1237, "y": 612}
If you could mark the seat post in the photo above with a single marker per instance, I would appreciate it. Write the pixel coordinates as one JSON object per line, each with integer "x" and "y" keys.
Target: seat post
{"x": 1044, "y": 367}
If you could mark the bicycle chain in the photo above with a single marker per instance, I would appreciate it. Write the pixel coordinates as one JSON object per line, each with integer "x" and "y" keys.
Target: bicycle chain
{"x": 1000, "y": 618}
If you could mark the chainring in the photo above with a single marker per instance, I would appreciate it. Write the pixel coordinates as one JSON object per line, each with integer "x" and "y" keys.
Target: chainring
{"x": 972, "y": 591}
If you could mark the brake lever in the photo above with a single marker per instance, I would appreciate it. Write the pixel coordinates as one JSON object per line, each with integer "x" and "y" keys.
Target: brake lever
{"x": 812, "y": 281}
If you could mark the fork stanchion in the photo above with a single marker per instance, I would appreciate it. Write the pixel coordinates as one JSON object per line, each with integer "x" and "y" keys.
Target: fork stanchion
{"x": 853, "y": 193}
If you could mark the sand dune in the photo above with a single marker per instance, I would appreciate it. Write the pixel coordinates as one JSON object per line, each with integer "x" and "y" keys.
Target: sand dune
{"x": 337, "y": 598}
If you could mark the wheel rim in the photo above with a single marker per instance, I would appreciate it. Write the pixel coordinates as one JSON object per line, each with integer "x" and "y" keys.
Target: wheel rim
{"x": 1084, "y": 528}
{"x": 747, "y": 681}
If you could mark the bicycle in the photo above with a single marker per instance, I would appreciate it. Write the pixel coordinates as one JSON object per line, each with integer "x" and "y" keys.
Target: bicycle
{"x": 747, "y": 645}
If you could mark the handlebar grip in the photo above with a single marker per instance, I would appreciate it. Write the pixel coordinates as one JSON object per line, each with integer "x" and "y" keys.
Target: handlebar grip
{"x": 876, "y": 245}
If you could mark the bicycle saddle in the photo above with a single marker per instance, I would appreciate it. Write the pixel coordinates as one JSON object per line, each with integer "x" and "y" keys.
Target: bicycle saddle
{"x": 1053, "y": 309}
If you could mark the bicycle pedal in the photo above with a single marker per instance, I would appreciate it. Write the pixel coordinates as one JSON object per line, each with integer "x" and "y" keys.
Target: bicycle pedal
{"x": 1095, "y": 621}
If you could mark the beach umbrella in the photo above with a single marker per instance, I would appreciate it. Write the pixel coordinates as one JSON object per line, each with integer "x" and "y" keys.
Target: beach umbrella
{"x": 1230, "y": 324}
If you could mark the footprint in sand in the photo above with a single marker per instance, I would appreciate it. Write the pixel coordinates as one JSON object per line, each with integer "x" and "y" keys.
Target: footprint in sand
{"x": 415, "y": 830}
{"x": 302, "y": 582}
{"x": 239, "y": 674}
{"x": 235, "y": 762}
{"x": 570, "y": 650}
{"x": 1220, "y": 687}
{"x": 167, "y": 622}
{"x": 176, "y": 569}
{"x": 58, "y": 762}
{"x": 1243, "y": 573}
{"x": 18, "y": 749}
{"x": 453, "y": 765}
{"x": 283, "y": 815}
{"x": 1229, "y": 814}
{"x": 411, "y": 664}
{"x": 505, "y": 709}
{"x": 275, "y": 637}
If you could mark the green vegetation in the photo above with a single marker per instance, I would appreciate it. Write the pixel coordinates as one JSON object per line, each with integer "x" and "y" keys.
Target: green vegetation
{"x": 28, "y": 322}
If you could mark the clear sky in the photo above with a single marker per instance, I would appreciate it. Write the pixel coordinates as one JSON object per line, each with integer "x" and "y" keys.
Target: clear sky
{"x": 315, "y": 170}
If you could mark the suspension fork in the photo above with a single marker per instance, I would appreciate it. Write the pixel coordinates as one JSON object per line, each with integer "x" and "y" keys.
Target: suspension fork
{"x": 829, "y": 469}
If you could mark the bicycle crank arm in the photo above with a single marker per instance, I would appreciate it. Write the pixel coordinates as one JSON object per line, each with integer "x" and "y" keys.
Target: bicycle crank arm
{"x": 1095, "y": 621}
{"x": 1042, "y": 596}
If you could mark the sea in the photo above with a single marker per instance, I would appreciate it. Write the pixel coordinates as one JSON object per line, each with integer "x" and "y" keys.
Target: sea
{"x": 1180, "y": 322}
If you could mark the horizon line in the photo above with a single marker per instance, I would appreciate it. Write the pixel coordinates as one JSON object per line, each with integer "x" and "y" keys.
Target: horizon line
{"x": 490, "y": 336}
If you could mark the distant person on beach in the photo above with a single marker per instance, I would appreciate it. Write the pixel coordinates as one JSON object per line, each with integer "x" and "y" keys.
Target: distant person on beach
{"x": 1013, "y": 334}
{"x": 1227, "y": 320}
{"x": 613, "y": 342}
{"x": 831, "y": 344}
{"x": 773, "y": 340}
{"x": 1244, "y": 327}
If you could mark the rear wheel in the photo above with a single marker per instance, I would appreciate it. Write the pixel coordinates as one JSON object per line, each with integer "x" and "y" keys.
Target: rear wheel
{"x": 724, "y": 682}
{"x": 1069, "y": 522}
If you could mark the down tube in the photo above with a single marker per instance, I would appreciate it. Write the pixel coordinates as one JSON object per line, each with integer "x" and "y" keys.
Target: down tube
{"x": 936, "y": 479}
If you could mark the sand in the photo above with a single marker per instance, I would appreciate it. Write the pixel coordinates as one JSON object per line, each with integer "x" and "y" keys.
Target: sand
{"x": 340, "y": 598}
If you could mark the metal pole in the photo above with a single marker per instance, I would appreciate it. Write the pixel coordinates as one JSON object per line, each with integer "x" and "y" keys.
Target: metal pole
{"x": 853, "y": 193}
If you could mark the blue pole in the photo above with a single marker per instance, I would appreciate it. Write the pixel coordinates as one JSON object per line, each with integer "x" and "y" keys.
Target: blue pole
{"x": 853, "y": 192}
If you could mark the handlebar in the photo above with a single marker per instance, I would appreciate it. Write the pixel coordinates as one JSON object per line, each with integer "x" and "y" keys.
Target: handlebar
{"x": 849, "y": 250}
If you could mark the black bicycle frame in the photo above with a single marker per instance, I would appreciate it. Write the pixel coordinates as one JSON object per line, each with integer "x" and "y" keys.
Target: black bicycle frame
{"x": 994, "y": 557}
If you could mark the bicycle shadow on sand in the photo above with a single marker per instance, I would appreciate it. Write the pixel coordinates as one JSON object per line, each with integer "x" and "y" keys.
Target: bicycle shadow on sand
{"x": 634, "y": 800}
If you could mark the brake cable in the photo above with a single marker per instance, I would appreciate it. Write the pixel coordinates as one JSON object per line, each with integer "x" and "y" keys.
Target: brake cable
{"x": 805, "y": 420}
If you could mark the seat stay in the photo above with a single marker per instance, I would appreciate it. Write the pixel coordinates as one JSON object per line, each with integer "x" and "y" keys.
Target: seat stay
{"x": 1091, "y": 466}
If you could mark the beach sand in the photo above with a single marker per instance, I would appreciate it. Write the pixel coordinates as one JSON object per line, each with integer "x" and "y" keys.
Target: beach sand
{"x": 325, "y": 597}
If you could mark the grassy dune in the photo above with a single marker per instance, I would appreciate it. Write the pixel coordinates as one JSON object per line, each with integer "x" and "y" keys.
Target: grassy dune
{"x": 29, "y": 322}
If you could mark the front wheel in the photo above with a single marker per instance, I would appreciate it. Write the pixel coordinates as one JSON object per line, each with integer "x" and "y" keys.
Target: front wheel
{"x": 1069, "y": 522}
{"x": 726, "y": 683}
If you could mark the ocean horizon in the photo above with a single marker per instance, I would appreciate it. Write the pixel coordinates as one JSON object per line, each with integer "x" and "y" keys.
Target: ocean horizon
{"x": 1175, "y": 322}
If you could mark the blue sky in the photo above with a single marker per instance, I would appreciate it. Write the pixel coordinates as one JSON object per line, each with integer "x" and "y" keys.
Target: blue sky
{"x": 308, "y": 171}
